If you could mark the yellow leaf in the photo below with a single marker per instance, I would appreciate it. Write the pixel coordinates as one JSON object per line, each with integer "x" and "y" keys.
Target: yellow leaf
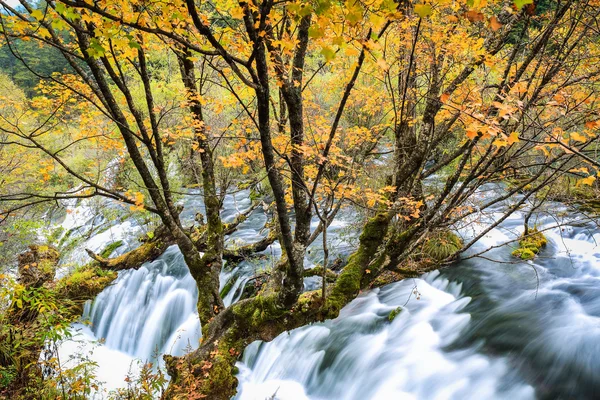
{"x": 423, "y": 10}
{"x": 513, "y": 138}
{"x": 500, "y": 143}
{"x": 328, "y": 53}
{"x": 351, "y": 51}
{"x": 588, "y": 181}
{"x": 578, "y": 137}
{"x": 237, "y": 12}
{"x": 582, "y": 169}
{"x": 37, "y": 14}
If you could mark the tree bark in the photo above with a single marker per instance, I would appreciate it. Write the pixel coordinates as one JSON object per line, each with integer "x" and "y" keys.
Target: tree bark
{"x": 207, "y": 268}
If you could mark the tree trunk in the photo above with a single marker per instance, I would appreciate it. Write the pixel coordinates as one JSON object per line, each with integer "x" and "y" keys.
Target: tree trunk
{"x": 292, "y": 283}
{"x": 206, "y": 269}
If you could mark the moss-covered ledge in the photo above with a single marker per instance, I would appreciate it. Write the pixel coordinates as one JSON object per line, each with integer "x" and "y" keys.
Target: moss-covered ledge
{"x": 210, "y": 370}
{"x": 348, "y": 283}
{"x": 133, "y": 259}
{"x": 83, "y": 284}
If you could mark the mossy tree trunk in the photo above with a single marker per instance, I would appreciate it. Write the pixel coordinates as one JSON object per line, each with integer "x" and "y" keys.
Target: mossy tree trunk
{"x": 205, "y": 269}
{"x": 210, "y": 370}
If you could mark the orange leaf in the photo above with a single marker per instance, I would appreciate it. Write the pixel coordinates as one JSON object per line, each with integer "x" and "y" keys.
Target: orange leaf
{"x": 471, "y": 134}
{"x": 588, "y": 181}
{"x": 495, "y": 24}
{"x": 474, "y": 16}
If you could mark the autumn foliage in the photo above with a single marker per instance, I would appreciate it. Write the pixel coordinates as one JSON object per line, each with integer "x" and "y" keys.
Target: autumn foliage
{"x": 401, "y": 111}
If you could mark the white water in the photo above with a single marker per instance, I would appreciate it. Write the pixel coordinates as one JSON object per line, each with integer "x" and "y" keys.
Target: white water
{"x": 518, "y": 338}
{"x": 361, "y": 356}
{"x": 495, "y": 335}
{"x": 152, "y": 311}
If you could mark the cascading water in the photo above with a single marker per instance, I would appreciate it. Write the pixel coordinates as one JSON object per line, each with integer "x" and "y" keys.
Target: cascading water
{"x": 140, "y": 312}
{"x": 362, "y": 355}
{"x": 480, "y": 329}
{"x": 152, "y": 311}
{"x": 508, "y": 330}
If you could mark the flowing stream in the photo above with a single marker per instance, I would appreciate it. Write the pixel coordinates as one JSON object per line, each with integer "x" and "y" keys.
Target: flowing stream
{"x": 486, "y": 328}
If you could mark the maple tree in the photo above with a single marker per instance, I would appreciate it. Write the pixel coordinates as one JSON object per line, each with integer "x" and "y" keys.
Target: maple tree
{"x": 334, "y": 104}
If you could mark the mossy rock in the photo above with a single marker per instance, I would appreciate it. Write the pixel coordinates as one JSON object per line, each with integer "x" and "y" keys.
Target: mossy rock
{"x": 530, "y": 245}
{"x": 534, "y": 240}
{"x": 386, "y": 277}
{"x": 37, "y": 265}
{"x": 524, "y": 254}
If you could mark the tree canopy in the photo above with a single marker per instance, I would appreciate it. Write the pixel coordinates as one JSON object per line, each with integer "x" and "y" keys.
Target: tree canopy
{"x": 402, "y": 110}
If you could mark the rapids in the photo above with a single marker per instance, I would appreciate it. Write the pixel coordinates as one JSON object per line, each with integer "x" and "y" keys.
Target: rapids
{"x": 486, "y": 328}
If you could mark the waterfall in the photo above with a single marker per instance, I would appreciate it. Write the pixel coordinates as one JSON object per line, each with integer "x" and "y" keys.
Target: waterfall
{"x": 152, "y": 311}
{"x": 141, "y": 311}
{"x": 481, "y": 329}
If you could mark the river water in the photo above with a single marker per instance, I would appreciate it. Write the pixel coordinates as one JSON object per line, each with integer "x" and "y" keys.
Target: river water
{"x": 485, "y": 328}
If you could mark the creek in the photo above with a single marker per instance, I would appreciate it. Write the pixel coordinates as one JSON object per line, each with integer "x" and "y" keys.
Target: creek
{"x": 484, "y": 328}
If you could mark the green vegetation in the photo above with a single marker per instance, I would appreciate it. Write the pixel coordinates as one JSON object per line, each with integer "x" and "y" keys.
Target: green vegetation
{"x": 442, "y": 245}
{"x": 530, "y": 245}
{"x": 85, "y": 282}
{"x": 45, "y": 60}
{"x": 107, "y": 252}
{"x": 395, "y": 312}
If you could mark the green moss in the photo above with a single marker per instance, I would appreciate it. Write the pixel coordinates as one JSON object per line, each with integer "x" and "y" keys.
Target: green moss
{"x": 108, "y": 250}
{"x": 227, "y": 287}
{"x": 394, "y": 314}
{"x": 254, "y": 195}
{"x": 524, "y": 254}
{"x": 86, "y": 282}
{"x": 222, "y": 379}
{"x": 318, "y": 271}
{"x": 348, "y": 282}
{"x": 534, "y": 240}
{"x": 441, "y": 245}
{"x": 135, "y": 258}
{"x": 264, "y": 307}
{"x": 530, "y": 245}
{"x": 212, "y": 376}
